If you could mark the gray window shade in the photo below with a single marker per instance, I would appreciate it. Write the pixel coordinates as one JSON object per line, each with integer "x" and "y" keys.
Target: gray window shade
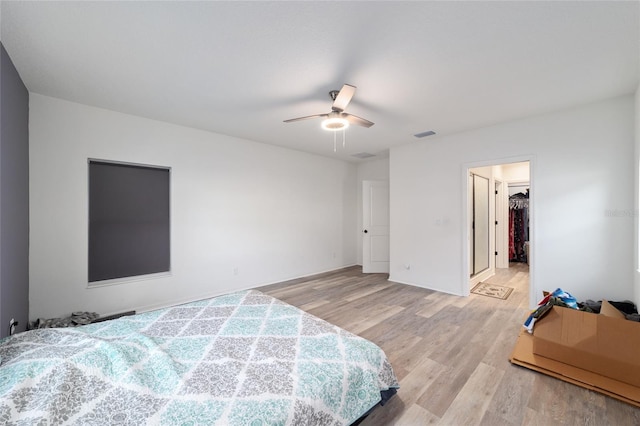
{"x": 129, "y": 228}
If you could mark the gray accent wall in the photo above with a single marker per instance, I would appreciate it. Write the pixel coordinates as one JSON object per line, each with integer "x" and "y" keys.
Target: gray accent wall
{"x": 14, "y": 197}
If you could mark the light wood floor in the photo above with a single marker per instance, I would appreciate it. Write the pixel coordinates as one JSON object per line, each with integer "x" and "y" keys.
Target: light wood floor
{"x": 450, "y": 353}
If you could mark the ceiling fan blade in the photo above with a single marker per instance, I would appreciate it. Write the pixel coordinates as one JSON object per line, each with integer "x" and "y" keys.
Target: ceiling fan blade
{"x": 343, "y": 98}
{"x": 291, "y": 120}
{"x": 353, "y": 119}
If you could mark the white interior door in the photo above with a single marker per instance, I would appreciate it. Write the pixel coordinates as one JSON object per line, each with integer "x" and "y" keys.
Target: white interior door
{"x": 502, "y": 225}
{"x": 480, "y": 223}
{"x": 375, "y": 226}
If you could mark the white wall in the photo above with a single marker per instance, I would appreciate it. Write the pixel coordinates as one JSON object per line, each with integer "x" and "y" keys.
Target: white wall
{"x": 272, "y": 213}
{"x": 582, "y": 171}
{"x": 515, "y": 172}
{"x": 370, "y": 170}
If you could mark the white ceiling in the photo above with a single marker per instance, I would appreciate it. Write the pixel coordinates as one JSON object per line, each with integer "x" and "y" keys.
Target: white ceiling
{"x": 241, "y": 68}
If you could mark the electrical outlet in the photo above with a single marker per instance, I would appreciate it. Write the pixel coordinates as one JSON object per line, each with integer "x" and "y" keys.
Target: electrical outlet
{"x": 12, "y": 326}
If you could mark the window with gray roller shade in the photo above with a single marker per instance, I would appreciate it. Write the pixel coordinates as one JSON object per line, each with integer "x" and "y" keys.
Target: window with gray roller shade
{"x": 129, "y": 227}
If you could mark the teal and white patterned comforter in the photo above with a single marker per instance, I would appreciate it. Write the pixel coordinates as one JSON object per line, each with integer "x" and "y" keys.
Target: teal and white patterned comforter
{"x": 239, "y": 359}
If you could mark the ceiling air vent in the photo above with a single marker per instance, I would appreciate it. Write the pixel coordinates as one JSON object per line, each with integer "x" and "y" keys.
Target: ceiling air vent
{"x": 363, "y": 155}
{"x": 425, "y": 134}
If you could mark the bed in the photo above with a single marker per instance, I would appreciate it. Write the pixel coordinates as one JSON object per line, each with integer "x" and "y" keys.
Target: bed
{"x": 244, "y": 358}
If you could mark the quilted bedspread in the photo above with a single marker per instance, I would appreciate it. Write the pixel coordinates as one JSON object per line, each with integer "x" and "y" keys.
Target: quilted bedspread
{"x": 239, "y": 359}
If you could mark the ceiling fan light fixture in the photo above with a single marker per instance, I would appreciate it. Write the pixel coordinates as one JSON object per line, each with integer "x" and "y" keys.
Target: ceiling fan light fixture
{"x": 335, "y": 123}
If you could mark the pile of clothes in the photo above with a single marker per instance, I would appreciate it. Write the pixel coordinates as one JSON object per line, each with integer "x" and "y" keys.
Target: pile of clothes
{"x": 562, "y": 298}
{"x": 76, "y": 319}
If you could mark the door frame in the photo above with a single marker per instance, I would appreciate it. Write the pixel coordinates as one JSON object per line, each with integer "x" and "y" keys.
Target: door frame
{"x": 465, "y": 284}
{"x": 502, "y": 228}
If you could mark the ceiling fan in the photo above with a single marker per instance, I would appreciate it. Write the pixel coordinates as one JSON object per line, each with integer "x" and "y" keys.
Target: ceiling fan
{"x": 337, "y": 119}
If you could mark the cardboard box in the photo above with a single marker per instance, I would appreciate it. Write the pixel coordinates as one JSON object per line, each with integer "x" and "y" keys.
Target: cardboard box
{"x": 523, "y": 356}
{"x": 609, "y": 310}
{"x": 604, "y": 345}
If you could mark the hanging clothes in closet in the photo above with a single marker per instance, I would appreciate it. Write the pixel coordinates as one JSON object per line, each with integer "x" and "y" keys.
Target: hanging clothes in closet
{"x": 518, "y": 226}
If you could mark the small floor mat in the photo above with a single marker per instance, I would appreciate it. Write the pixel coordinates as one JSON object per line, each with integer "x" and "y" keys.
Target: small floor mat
{"x": 492, "y": 290}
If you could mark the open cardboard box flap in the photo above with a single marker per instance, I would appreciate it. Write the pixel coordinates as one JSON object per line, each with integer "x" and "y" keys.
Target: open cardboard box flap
{"x": 599, "y": 352}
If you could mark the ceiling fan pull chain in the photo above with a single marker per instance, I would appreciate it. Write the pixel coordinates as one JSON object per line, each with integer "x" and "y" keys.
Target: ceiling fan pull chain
{"x": 334, "y": 141}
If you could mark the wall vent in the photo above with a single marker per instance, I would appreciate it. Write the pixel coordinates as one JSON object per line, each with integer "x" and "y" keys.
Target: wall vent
{"x": 363, "y": 155}
{"x": 425, "y": 134}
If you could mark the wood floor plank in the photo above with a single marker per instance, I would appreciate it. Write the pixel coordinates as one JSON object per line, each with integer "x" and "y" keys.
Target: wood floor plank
{"x": 618, "y": 413}
{"x": 433, "y": 303}
{"x": 450, "y": 353}
{"x": 490, "y": 418}
{"x": 508, "y": 328}
{"x": 441, "y": 394}
{"x": 509, "y": 403}
{"x": 474, "y": 398}
{"x": 411, "y": 387}
{"x": 547, "y": 398}
{"x": 379, "y": 313}
{"x": 314, "y": 304}
{"x": 531, "y": 418}
{"x": 416, "y": 415}
{"x": 368, "y": 291}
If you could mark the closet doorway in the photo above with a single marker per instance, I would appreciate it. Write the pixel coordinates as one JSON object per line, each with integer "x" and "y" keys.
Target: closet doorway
{"x": 509, "y": 213}
{"x": 519, "y": 239}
